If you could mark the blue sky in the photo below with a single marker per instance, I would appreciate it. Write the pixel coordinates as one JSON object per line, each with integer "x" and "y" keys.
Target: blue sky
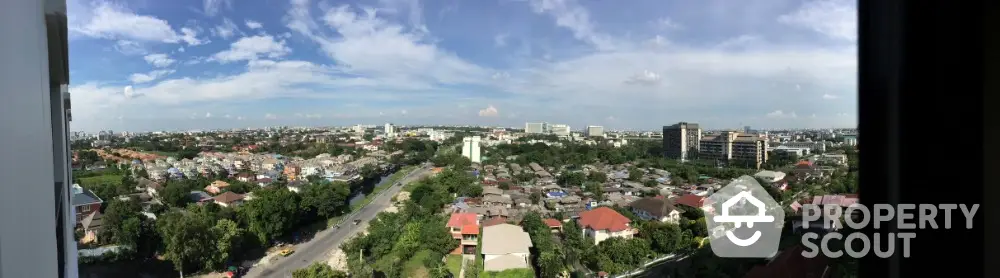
{"x": 200, "y": 64}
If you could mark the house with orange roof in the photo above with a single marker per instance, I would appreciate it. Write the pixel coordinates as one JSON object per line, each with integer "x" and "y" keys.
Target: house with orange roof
{"x": 216, "y": 187}
{"x": 554, "y": 225}
{"x": 464, "y": 227}
{"x": 602, "y": 223}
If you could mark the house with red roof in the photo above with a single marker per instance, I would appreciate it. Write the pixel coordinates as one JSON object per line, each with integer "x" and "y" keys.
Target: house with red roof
{"x": 554, "y": 225}
{"x": 464, "y": 228}
{"x": 695, "y": 201}
{"x": 603, "y": 222}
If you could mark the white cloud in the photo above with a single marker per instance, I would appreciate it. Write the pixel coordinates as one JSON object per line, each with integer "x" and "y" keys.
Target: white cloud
{"x": 208, "y": 114}
{"x": 180, "y": 49}
{"x": 159, "y": 60}
{"x": 128, "y": 47}
{"x": 240, "y": 118}
{"x": 500, "y": 40}
{"x": 781, "y": 114}
{"x": 138, "y": 78}
{"x": 489, "y": 112}
{"x": 403, "y": 112}
{"x": 252, "y": 48}
{"x": 213, "y": 7}
{"x": 270, "y": 116}
{"x": 227, "y": 116}
{"x": 110, "y": 21}
{"x": 836, "y": 19}
{"x": 371, "y": 46}
{"x": 253, "y": 24}
{"x": 568, "y": 14}
{"x": 227, "y": 29}
{"x": 668, "y": 24}
{"x": 644, "y": 78}
{"x": 128, "y": 92}
{"x": 829, "y": 96}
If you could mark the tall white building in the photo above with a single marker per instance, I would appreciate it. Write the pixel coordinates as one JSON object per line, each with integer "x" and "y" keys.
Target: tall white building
{"x": 534, "y": 128}
{"x": 595, "y": 131}
{"x": 470, "y": 148}
{"x": 390, "y": 131}
{"x": 560, "y": 129}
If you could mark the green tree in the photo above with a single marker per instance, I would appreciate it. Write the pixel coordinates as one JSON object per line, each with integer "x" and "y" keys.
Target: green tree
{"x": 175, "y": 194}
{"x": 325, "y": 198}
{"x": 596, "y": 189}
{"x": 596, "y": 176}
{"x": 229, "y": 241}
{"x": 121, "y": 222}
{"x": 188, "y": 239}
{"x": 143, "y": 173}
{"x": 635, "y": 174}
{"x": 571, "y": 179}
{"x": 666, "y": 238}
{"x": 271, "y": 213}
{"x": 318, "y": 270}
{"x": 535, "y": 197}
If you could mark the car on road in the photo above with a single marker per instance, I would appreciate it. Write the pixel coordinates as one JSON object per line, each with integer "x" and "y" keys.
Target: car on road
{"x": 285, "y": 252}
{"x": 357, "y": 221}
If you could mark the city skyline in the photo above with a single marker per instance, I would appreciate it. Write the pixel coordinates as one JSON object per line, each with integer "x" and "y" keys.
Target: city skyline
{"x": 148, "y": 65}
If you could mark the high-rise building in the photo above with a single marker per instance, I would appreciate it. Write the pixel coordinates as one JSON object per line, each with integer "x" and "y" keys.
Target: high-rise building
{"x": 681, "y": 139}
{"x": 37, "y": 238}
{"x": 559, "y": 129}
{"x": 595, "y": 131}
{"x": 470, "y": 149}
{"x": 735, "y": 149}
{"x": 534, "y": 128}
{"x": 746, "y": 129}
{"x": 390, "y": 131}
{"x": 850, "y": 139}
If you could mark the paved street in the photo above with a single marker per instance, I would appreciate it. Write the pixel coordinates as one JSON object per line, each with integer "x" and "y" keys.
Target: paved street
{"x": 325, "y": 242}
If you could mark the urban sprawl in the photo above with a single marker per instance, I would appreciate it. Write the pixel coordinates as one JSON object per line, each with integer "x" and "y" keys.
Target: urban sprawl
{"x": 443, "y": 201}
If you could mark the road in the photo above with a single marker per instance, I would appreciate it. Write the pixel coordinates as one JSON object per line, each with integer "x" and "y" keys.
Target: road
{"x": 325, "y": 242}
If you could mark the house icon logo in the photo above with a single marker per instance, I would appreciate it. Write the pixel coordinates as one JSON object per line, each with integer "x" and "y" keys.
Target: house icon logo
{"x": 749, "y": 218}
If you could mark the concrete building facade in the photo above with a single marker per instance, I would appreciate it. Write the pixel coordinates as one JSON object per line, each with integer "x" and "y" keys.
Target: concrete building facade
{"x": 470, "y": 148}
{"x": 681, "y": 139}
{"x": 595, "y": 131}
{"x": 734, "y": 148}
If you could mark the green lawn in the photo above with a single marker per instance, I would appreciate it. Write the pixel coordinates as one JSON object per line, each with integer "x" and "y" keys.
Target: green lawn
{"x": 510, "y": 273}
{"x": 455, "y": 264}
{"x": 414, "y": 267}
{"x": 103, "y": 179}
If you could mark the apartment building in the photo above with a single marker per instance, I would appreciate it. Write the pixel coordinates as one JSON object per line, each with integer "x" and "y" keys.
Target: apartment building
{"x": 471, "y": 148}
{"x": 560, "y": 129}
{"x": 595, "y": 131}
{"x": 681, "y": 139}
{"x": 734, "y": 148}
{"x": 533, "y": 128}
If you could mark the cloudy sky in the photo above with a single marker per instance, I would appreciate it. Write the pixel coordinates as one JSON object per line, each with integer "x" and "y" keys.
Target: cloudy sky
{"x": 197, "y": 64}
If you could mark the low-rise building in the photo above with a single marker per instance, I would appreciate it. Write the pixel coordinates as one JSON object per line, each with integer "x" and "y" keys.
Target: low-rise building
{"x": 656, "y": 208}
{"x": 505, "y": 246}
{"x": 602, "y": 223}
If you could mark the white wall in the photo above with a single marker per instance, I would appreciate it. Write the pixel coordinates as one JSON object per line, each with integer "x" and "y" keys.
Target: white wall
{"x": 28, "y": 240}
